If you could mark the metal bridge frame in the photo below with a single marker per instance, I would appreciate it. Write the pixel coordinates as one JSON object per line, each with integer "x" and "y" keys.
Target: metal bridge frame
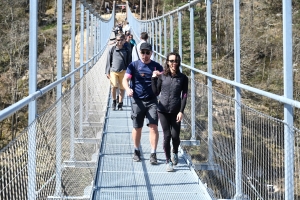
{"x": 96, "y": 26}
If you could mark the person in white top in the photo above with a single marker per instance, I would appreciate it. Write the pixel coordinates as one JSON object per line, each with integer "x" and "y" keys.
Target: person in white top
{"x": 127, "y": 28}
{"x": 135, "y": 50}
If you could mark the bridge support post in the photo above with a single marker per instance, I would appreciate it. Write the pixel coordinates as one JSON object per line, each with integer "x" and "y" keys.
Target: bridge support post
{"x": 87, "y": 66}
{"x": 165, "y": 37}
{"x": 160, "y": 43}
{"x": 58, "y": 97}
{"x": 32, "y": 109}
{"x": 171, "y": 33}
{"x": 81, "y": 69}
{"x": 73, "y": 41}
{"x": 209, "y": 84}
{"x": 193, "y": 91}
{"x": 156, "y": 39}
{"x": 288, "y": 93}
{"x": 238, "y": 128}
{"x": 180, "y": 36}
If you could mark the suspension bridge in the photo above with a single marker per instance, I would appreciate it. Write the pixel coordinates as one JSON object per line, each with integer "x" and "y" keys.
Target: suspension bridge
{"x": 78, "y": 148}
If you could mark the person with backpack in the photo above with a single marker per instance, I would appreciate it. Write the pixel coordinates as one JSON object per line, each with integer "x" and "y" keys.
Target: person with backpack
{"x": 172, "y": 88}
{"x": 132, "y": 41}
{"x": 118, "y": 58}
{"x": 144, "y": 101}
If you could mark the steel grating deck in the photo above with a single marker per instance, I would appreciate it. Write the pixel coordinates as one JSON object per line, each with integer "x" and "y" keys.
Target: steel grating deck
{"x": 119, "y": 177}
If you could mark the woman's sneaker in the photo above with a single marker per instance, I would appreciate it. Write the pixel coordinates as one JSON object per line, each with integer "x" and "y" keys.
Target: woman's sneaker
{"x": 175, "y": 158}
{"x": 170, "y": 167}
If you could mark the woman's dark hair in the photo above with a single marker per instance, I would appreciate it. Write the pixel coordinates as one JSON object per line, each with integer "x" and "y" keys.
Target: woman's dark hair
{"x": 167, "y": 70}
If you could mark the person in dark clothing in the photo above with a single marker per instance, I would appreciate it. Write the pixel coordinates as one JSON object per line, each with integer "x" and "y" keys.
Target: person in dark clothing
{"x": 172, "y": 85}
{"x": 127, "y": 42}
{"x": 120, "y": 27}
{"x": 132, "y": 41}
{"x": 144, "y": 101}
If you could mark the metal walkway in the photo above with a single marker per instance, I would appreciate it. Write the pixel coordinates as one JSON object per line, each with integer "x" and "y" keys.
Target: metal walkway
{"x": 119, "y": 177}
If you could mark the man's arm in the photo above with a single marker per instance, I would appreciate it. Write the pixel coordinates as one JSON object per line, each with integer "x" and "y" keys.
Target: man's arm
{"x": 107, "y": 68}
{"x": 160, "y": 68}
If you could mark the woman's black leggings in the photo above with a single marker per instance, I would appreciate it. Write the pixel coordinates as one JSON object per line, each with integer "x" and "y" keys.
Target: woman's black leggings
{"x": 171, "y": 130}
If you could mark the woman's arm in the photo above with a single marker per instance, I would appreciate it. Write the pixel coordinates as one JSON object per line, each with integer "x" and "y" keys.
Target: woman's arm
{"x": 156, "y": 85}
{"x": 156, "y": 82}
{"x": 184, "y": 93}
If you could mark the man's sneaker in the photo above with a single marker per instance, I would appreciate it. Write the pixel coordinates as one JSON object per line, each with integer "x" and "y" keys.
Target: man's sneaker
{"x": 175, "y": 158}
{"x": 120, "y": 105}
{"x": 114, "y": 104}
{"x": 170, "y": 167}
{"x": 137, "y": 156}
{"x": 153, "y": 159}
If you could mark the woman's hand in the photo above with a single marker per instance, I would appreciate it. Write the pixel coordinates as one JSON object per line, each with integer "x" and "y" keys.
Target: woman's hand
{"x": 156, "y": 73}
{"x": 179, "y": 117}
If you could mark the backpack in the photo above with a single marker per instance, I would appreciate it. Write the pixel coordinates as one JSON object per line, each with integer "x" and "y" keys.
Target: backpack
{"x": 127, "y": 55}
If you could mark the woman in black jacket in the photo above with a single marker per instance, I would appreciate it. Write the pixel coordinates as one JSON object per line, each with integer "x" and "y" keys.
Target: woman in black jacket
{"x": 172, "y": 86}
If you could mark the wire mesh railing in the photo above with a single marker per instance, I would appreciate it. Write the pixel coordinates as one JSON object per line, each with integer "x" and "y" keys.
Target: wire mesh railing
{"x": 78, "y": 153}
{"x": 262, "y": 149}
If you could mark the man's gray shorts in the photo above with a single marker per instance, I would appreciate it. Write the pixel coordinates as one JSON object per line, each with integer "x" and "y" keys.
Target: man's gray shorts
{"x": 141, "y": 109}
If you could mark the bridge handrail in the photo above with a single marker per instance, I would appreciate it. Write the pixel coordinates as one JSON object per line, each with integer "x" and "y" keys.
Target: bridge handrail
{"x": 280, "y": 98}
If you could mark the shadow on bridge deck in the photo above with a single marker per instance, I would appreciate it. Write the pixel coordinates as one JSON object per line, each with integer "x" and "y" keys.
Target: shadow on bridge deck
{"x": 119, "y": 177}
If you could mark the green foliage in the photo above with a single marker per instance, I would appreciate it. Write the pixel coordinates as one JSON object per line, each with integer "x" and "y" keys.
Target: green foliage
{"x": 172, "y": 4}
{"x": 48, "y": 26}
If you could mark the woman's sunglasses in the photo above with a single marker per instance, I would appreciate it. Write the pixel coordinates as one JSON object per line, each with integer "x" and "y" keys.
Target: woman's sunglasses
{"x": 173, "y": 61}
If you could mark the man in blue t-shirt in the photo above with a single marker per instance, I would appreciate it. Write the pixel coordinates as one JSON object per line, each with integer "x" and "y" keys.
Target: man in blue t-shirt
{"x": 144, "y": 102}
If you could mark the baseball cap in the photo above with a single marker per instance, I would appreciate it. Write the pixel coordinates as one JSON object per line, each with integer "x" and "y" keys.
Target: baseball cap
{"x": 146, "y": 46}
